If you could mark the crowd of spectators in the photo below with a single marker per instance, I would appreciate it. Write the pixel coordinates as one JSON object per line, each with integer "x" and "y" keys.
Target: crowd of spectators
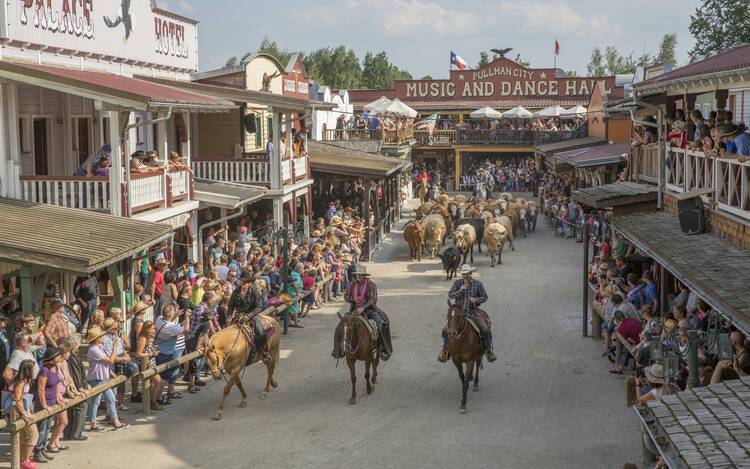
{"x": 504, "y": 174}
{"x": 369, "y": 121}
{"x": 542, "y": 124}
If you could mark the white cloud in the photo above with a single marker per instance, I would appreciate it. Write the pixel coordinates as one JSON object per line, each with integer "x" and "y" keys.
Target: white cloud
{"x": 557, "y": 17}
{"x": 406, "y": 17}
{"x": 179, "y": 6}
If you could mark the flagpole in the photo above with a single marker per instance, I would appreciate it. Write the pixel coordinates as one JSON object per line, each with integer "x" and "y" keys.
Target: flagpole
{"x": 555, "y": 52}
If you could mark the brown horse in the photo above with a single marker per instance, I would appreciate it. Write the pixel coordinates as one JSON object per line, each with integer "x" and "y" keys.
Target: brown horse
{"x": 228, "y": 351}
{"x": 358, "y": 344}
{"x": 464, "y": 348}
{"x": 424, "y": 188}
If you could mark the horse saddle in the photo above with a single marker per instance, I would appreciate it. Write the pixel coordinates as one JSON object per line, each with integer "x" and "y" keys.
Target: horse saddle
{"x": 248, "y": 331}
{"x": 474, "y": 325}
{"x": 372, "y": 327}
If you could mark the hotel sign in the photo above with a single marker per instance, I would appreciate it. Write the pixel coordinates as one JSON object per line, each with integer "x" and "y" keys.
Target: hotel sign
{"x": 502, "y": 78}
{"x": 131, "y": 31}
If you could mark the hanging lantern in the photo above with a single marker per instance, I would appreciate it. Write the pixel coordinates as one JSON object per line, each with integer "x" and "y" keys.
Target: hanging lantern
{"x": 671, "y": 365}
{"x": 725, "y": 348}
{"x": 656, "y": 348}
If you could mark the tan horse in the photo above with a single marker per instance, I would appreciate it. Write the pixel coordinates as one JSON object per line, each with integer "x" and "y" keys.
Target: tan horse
{"x": 423, "y": 190}
{"x": 358, "y": 344}
{"x": 228, "y": 351}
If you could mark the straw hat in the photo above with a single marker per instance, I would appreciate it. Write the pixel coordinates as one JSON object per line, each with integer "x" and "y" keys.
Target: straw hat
{"x": 336, "y": 221}
{"x": 140, "y": 306}
{"x": 109, "y": 324}
{"x": 467, "y": 269}
{"x": 317, "y": 234}
{"x": 94, "y": 333}
{"x": 361, "y": 269}
{"x": 286, "y": 299}
{"x": 655, "y": 373}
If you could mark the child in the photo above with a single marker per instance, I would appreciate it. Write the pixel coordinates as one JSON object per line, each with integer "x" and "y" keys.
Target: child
{"x": 308, "y": 289}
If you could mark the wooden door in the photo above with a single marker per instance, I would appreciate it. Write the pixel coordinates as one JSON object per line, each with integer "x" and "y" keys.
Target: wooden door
{"x": 83, "y": 139}
{"x": 41, "y": 149}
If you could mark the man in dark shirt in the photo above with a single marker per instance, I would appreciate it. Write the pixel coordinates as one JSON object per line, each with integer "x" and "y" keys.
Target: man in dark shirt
{"x": 630, "y": 330}
{"x": 245, "y": 301}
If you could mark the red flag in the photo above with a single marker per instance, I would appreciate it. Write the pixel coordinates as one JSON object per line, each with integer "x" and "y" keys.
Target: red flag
{"x": 557, "y": 47}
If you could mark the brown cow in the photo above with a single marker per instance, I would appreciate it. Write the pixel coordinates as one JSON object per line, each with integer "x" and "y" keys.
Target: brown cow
{"x": 414, "y": 235}
{"x": 434, "y": 232}
{"x": 508, "y": 225}
{"x": 465, "y": 237}
{"x": 495, "y": 235}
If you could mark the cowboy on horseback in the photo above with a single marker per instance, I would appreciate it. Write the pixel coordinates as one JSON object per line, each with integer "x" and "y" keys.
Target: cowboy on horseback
{"x": 362, "y": 296}
{"x": 246, "y": 302}
{"x": 469, "y": 293}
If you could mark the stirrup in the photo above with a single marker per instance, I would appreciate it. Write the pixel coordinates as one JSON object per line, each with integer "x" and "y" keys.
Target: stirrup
{"x": 443, "y": 356}
{"x": 491, "y": 357}
{"x": 267, "y": 357}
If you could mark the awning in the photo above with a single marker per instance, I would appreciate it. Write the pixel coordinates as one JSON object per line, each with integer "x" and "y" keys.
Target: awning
{"x": 237, "y": 95}
{"x": 616, "y": 195}
{"x": 130, "y": 93}
{"x": 71, "y": 239}
{"x": 596, "y": 155}
{"x": 226, "y": 194}
{"x": 327, "y": 158}
{"x": 714, "y": 268}
{"x": 701, "y": 427}
{"x": 570, "y": 145}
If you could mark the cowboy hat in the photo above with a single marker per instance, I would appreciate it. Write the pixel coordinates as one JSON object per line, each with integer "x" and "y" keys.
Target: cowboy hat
{"x": 94, "y": 333}
{"x": 361, "y": 269}
{"x": 655, "y": 373}
{"x": 246, "y": 276}
{"x": 286, "y": 299}
{"x": 109, "y": 324}
{"x": 317, "y": 234}
{"x": 728, "y": 129}
{"x": 140, "y": 306}
{"x": 50, "y": 354}
{"x": 336, "y": 221}
{"x": 467, "y": 269}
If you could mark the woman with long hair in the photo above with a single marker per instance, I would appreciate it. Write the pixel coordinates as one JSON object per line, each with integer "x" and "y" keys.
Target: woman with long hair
{"x": 147, "y": 351}
{"x": 20, "y": 388}
{"x": 49, "y": 394}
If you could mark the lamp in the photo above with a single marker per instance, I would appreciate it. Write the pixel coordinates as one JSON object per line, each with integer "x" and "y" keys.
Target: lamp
{"x": 656, "y": 348}
{"x": 725, "y": 351}
{"x": 671, "y": 365}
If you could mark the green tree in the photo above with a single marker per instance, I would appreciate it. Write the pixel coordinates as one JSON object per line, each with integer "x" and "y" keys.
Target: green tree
{"x": 231, "y": 62}
{"x": 338, "y": 68}
{"x": 666, "y": 52}
{"x": 427, "y": 77}
{"x": 379, "y": 73}
{"x": 571, "y": 73}
{"x": 521, "y": 62}
{"x": 270, "y": 47}
{"x": 596, "y": 67}
{"x": 616, "y": 63}
{"x": 718, "y": 24}
{"x": 484, "y": 59}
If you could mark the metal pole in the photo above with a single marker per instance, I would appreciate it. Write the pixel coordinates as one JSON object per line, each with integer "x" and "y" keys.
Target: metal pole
{"x": 694, "y": 340}
{"x": 585, "y": 277}
{"x": 285, "y": 272}
{"x": 662, "y": 290}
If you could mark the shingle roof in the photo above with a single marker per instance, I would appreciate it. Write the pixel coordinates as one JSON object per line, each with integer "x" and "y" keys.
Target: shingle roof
{"x": 730, "y": 59}
{"x": 337, "y": 160}
{"x": 70, "y": 239}
{"x": 714, "y": 268}
{"x": 615, "y": 195}
{"x": 595, "y": 155}
{"x": 570, "y": 144}
{"x": 702, "y": 427}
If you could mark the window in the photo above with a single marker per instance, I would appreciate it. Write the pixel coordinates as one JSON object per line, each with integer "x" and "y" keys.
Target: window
{"x": 23, "y": 135}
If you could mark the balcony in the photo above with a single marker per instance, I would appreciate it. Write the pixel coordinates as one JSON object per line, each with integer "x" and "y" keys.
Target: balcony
{"x": 147, "y": 190}
{"x": 256, "y": 172}
{"x": 387, "y": 137}
{"x": 687, "y": 170}
{"x": 495, "y": 137}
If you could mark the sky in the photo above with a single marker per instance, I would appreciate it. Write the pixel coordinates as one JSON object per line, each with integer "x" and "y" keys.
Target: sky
{"x": 418, "y": 35}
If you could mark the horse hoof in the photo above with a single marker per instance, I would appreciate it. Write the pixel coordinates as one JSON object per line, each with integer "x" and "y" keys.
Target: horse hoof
{"x": 264, "y": 395}
{"x": 243, "y": 404}
{"x": 275, "y": 384}
{"x": 374, "y": 381}
{"x": 369, "y": 391}
{"x": 352, "y": 401}
{"x": 476, "y": 388}
{"x": 462, "y": 410}
{"x": 217, "y": 416}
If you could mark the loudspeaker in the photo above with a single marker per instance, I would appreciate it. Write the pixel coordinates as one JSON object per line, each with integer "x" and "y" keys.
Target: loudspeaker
{"x": 692, "y": 215}
{"x": 249, "y": 122}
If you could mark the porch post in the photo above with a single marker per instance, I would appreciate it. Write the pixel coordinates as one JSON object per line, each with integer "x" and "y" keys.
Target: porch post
{"x": 164, "y": 140}
{"x": 368, "y": 227}
{"x": 585, "y": 305}
{"x": 275, "y": 158}
{"x": 14, "y": 155}
{"x": 5, "y": 164}
{"x": 27, "y": 289}
{"x": 194, "y": 253}
{"x": 115, "y": 176}
{"x": 457, "y": 172}
{"x": 117, "y": 278}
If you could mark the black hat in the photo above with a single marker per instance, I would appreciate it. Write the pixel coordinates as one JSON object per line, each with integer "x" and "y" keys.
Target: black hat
{"x": 246, "y": 276}
{"x": 50, "y": 353}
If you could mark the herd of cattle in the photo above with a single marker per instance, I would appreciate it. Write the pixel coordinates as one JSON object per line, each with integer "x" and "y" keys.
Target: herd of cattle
{"x": 468, "y": 222}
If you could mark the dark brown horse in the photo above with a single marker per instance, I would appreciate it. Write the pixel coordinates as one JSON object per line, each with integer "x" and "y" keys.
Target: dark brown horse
{"x": 358, "y": 344}
{"x": 464, "y": 348}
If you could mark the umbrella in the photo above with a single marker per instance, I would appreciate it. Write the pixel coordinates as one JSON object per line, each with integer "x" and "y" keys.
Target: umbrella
{"x": 518, "y": 112}
{"x": 400, "y": 109}
{"x": 552, "y": 111}
{"x": 486, "y": 113}
{"x": 578, "y": 111}
{"x": 378, "y": 106}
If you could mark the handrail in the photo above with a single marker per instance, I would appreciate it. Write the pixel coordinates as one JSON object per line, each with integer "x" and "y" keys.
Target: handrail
{"x": 64, "y": 178}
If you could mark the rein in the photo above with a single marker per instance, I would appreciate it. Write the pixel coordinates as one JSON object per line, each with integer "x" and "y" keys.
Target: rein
{"x": 222, "y": 370}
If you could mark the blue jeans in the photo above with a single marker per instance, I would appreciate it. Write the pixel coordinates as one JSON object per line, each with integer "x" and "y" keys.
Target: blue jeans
{"x": 109, "y": 395}
{"x": 45, "y": 428}
{"x": 170, "y": 375}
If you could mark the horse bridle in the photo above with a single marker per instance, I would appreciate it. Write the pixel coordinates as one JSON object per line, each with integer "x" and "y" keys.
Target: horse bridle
{"x": 345, "y": 344}
{"x": 450, "y": 330}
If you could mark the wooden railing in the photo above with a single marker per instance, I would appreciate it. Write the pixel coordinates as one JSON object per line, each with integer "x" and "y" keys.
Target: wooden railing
{"x": 147, "y": 190}
{"x": 495, "y": 137}
{"x": 239, "y": 171}
{"x": 436, "y": 137}
{"x": 351, "y": 134}
{"x": 67, "y": 191}
{"x": 180, "y": 182}
{"x": 299, "y": 168}
{"x": 732, "y": 184}
{"x": 644, "y": 163}
{"x": 397, "y": 136}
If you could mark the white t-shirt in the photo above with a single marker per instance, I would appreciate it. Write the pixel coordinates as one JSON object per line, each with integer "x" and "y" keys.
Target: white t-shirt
{"x": 221, "y": 271}
{"x": 19, "y": 356}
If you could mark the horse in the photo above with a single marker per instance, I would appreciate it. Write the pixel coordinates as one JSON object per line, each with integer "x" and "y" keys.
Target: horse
{"x": 358, "y": 344}
{"x": 423, "y": 190}
{"x": 433, "y": 192}
{"x": 481, "y": 191}
{"x": 465, "y": 350}
{"x": 228, "y": 350}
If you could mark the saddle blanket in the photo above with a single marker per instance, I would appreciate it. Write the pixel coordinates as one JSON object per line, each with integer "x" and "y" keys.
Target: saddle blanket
{"x": 249, "y": 331}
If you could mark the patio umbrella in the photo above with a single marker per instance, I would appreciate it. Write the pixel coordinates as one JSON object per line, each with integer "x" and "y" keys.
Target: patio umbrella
{"x": 552, "y": 111}
{"x": 518, "y": 112}
{"x": 578, "y": 111}
{"x": 400, "y": 109}
{"x": 378, "y": 106}
{"x": 486, "y": 113}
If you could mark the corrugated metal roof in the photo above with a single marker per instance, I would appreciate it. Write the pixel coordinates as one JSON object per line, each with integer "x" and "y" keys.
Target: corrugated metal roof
{"x": 731, "y": 59}
{"x": 71, "y": 239}
{"x": 615, "y": 195}
{"x": 334, "y": 159}
{"x": 226, "y": 194}
{"x": 148, "y": 93}
{"x": 448, "y": 105}
{"x": 596, "y": 155}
